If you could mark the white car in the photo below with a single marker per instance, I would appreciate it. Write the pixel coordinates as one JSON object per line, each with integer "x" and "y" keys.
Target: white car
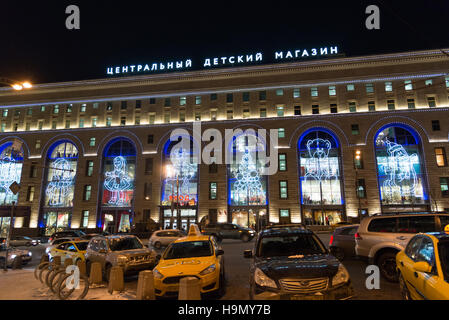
{"x": 12, "y": 254}
{"x": 162, "y": 238}
{"x": 55, "y": 243}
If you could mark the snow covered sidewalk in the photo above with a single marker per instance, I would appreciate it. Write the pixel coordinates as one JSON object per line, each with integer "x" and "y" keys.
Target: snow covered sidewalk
{"x": 21, "y": 285}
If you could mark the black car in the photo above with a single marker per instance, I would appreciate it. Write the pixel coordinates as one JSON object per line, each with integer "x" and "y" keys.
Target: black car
{"x": 68, "y": 234}
{"x": 228, "y": 231}
{"x": 292, "y": 263}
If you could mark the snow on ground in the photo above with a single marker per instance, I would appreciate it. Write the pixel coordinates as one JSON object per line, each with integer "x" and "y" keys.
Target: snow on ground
{"x": 22, "y": 285}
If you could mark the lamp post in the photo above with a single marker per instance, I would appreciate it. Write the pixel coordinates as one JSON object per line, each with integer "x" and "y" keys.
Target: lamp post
{"x": 358, "y": 158}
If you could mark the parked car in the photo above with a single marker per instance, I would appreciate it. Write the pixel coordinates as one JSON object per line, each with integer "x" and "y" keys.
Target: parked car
{"x": 73, "y": 234}
{"x": 71, "y": 249}
{"x": 55, "y": 243}
{"x": 196, "y": 256}
{"x": 22, "y": 241}
{"x": 340, "y": 224}
{"x": 120, "y": 250}
{"x": 12, "y": 254}
{"x": 342, "y": 242}
{"x": 423, "y": 267}
{"x": 162, "y": 238}
{"x": 229, "y": 231}
{"x": 291, "y": 262}
{"x": 380, "y": 237}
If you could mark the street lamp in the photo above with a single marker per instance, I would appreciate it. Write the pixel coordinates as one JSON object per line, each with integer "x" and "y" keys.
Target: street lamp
{"x": 16, "y": 85}
{"x": 171, "y": 172}
{"x": 358, "y": 165}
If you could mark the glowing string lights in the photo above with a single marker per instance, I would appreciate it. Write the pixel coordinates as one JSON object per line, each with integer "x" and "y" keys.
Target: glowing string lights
{"x": 185, "y": 169}
{"x": 10, "y": 171}
{"x": 248, "y": 178}
{"x": 118, "y": 182}
{"x": 61, "y": 182}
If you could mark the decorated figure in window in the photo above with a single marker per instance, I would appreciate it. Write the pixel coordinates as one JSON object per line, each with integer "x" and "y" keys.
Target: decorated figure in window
{"x": 8, "y": 173}
{"x": 400, "y": 170}
{"x": 317, "y": 165}
{"x": 185, "y": 169}
{"x": 61, "y": 181}
{"x": 248, "y": 182}
{"x": 118, "y": 182}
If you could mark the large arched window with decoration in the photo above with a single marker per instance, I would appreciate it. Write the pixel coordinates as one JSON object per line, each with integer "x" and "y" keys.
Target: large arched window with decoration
{"x": 247, "y": 185}
{"x": 320, "y": 177}
{"x": 59, "y": 188}
{"x": 11, "y": 163}
{"x": 119, "y": 170}
{"x": 399, "y": 166}
{"x": 179, "y": 198}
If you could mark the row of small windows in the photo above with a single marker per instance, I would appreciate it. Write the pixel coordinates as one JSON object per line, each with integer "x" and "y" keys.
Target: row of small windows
{"x": 369, "y": 87}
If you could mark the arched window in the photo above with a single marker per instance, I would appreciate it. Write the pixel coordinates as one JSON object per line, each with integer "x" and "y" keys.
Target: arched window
{"x": 59, "y": 186}
{"x": 399, "y": 166}
{"x": 179, "y": 184}
{"x": 61, "y": 168}
{"x": 11, "y": 164}
{"x": 319, "y": 161}
{"x": 119, "y": 170}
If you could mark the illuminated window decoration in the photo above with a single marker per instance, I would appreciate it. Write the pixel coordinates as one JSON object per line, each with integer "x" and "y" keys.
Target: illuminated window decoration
{"x": 119, "y": 174}
{"x": 60, "y": 178}
{"x": 247, "y": 186}
{"x": 401, "y": 180}
{"x": 118, "y": 182}
{"x": 10, "y": 171}
{"x": 320, "y": 169}
{"x": 61, "y": 182}
{"x": 181, "y": 176}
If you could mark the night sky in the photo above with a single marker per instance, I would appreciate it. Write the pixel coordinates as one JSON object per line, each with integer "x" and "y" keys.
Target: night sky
{"x": 35, "y": 44}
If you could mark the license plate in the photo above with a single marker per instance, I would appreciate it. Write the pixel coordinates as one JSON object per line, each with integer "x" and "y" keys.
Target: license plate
{"x": 307, "y": 297}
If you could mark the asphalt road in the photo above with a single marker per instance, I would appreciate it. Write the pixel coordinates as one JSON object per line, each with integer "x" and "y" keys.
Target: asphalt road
{"x": 237, "y": 272}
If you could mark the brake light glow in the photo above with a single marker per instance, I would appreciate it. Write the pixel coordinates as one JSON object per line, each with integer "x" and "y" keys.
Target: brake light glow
{"x": 357, "y": 236}
{"x": 332, "y": 240}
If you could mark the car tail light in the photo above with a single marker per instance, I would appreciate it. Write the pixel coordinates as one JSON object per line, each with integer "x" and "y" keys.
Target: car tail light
{"x": 332, "y": 240}
{"x": 357, "y": 236}
{"x": 51, "y": 239}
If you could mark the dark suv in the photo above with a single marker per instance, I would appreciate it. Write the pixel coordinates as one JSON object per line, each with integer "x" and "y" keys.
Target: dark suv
{"x": 228, "y": 231}
{"x": 291, "y": 263}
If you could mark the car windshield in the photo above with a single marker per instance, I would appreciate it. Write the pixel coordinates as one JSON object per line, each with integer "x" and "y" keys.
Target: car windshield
{"x": 188, "y": 249}
{"x": 290, "y": 245}
{"x": 128, "y": 243}
{"x": 82, "y": 246}
{"x": 443, "y": 250}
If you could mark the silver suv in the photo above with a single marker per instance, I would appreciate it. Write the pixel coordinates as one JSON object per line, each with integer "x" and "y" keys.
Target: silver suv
{"x": 380, "y": 237}
{"x": 126, "y": 251}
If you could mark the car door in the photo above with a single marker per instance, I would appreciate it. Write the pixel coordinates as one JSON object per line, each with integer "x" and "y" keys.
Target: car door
{"x": 406, "y": 264}
{"x": 71, "y": 251}
{"x": 171, "y": 236}
{"x": 346, "y": 240}
{"x": 409, "y": 226}
{"x": 427, "y": 283}
{"x": 59, "y": 251}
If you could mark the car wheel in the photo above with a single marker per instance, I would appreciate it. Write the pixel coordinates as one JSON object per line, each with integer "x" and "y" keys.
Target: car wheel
{"x": 222, "y": 284}
{"x": 338, "y": 253}
{"x": 245, "y": 237}
{"x": 405, "y": 293}
{"x": 88, "y": 264}
{"x": 157, "y": 245}
{"x": 387, "y": 266}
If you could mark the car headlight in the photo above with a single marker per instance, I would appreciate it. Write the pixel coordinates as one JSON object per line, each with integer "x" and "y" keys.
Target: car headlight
{"x": 208, "y": 270}
{"x": 342, "y": 276}
{"x": 13, "y": 256}
{"x": 263, "y": 280}
{"x": 157, "y": 274}
{"x": 122, "y": 260}
{"x": 30, "y": 254}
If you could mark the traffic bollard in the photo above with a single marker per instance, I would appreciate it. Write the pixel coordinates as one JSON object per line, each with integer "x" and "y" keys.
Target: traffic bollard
{"x": 56, "y": 261}
{"x": 81, "y": 266}
{"x": 96, "y": 275}
{"x": 189, "y": 289}
{"x": 44, "y": 258}
{"x": 145, "y": 286}
{"x": 116, "y": 280}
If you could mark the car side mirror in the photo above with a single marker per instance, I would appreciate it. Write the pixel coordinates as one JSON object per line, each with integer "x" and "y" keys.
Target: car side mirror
{"x": 248, "y": 254}
{"x": 422, "y": 266}
{"x": 220, "y": 253}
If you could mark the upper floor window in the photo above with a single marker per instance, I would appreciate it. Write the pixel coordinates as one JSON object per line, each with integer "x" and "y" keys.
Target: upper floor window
{"x": 229, "y": 114}
{"x": 5, "y": 113}
{"x": 388, "y": 86}
{"x": 315, "y": 109}
{"x": 297, "y": 110}
{"x": 371, "y": 106}
{"x": 429, "y": 82}
{"x": 56, "y": 109}
{"x": 279, "y": 92}
{"x": 350, "y": 87}
{"x": 213, "y": 97}
{"x": 138, "y": 104}
{"x": 229, "y": 98}
{"x": 69, "y": 108}
{"x": 391, "y": 105}
{"x": 281, "y": 133}
{"x": 152, "y": 100}
{"x": 83, "y": 107}
{"x": 332, "y": 91}
{"x": 246, "y": 113}
{"x": 440, "y": 157}
{"x": 411, "y": 103}
{"x": 262, "y": 95}
{"x": 280, "y": 111}
{"x": 296, "y": 93}
{"x": 167, "y": 102}
{"x": 263, "y": 112}
{"x": 108, "y": 106}
{"x": 369, "y": 88}
{"x": 96, "y": 105}
{"x": 92, "y": 142}
{"x": 124, "y": 105}
{"x": 355, "y": 129}
{"x": 314, "y": 92}
{"x": 182, "y": 101}
{"x": 436, "y": 125}
{"x": 408, "y": 85}
{"x": 245, "y": 96}
{"x": 198, "y": 100}
{"x": 431, "y": 101}
{"x": 334, "y": 108}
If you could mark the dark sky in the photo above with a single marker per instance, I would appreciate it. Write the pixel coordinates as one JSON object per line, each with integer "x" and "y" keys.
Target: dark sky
{"x": 35, "y": 44}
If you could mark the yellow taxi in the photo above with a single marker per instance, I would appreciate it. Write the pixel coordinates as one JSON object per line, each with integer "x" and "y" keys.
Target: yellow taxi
{"x": 197, "y": 256}
{"x": 423, "y": 267}
{"x": 71, "y": 249}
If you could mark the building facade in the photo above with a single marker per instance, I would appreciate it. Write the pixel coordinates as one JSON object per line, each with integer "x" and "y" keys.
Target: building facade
{"x": 357, "y": 136}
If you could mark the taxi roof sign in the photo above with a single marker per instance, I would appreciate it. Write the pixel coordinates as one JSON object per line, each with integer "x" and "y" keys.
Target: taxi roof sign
{"x": 446, "y": 229}
{"x": 194, "y": 231}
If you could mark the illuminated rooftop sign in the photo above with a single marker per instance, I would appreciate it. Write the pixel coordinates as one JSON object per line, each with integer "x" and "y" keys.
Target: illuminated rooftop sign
{"x": 228, "y": 61}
